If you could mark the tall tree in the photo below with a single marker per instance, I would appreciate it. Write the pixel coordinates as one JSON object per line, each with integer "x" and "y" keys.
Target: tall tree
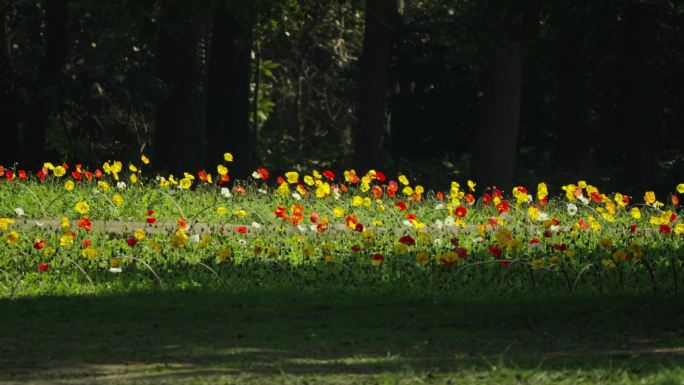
{"x": 9, "y": 100}
{"x": 46, "y": 93}
{"x": 637, "y": 123}
{"x": 381, "y": 19}
{"x": 179, "y": 137}
{"x": 572, "y": 131}
{"x": 495, "y": 146}
{"x": 228, "y": 105}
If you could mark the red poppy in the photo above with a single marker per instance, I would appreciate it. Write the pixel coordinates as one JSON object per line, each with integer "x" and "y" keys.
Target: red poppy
{"x": 392, "y": 188}
{"x": 359, "y": 227}
{"x": 223, "y": 179}
{"x": 9, "y": 174}
{"x": 85, "y": 223}
{"x": 633, "y": 229}
{"x": 411, "y": 217}
{"x": 460, "y": 211}
{"x": 547, "y": 234}
{"x": 440, "y": 196}
{"x": 462, "y": 252}
{"x": 675, "y": 200}
{"x": 560, "y": 246}
{"x": 87, "y": 243}
{"x": 329, "y": 174}
{"x": 150, "y": 219}
{"x": 351, "y": 218}
{"x": 454, "y": 241}
{"x": 381, "y": 177}
{"x": 401, "y": 205}
{"x": 487, "y": 198}
{"x": 44, "y": 266}
{"x": 673, "y": 217}
{"x": 241, "y": 229}
{"x": 665, "y": 229}
{"x": 407, "y": 240}
{"x": 240, "y": 190}
{"x": 89, "y": 175}
{"x": 583, "y": 224}
{"x": 503, "y": 207}
{"x": 376, "y": 192}
{"x": 378, "y": 257}
{"x": 263, "y": 173}
{"x": 41, "y": 174}
{"x": 495, "y": 251}
{"x": 98, "y": 174}
{"x": 203, "y": 176}
{"x": 39, "y": 245}
{"x": 76, "y": 175}
{"x": 470, "y": 199}
{"x": 321, "y": 228}
{"x": 132, "y": 241}
{"x": 497, "y": 193}
{"x": 22, "y": 175}
{"x": 314, "y": 217}
{"x": 356, "y": 248}
{"x": 534, "y": 241}
{"x": 280, "y": 211}
{"x": 595, "y": 196}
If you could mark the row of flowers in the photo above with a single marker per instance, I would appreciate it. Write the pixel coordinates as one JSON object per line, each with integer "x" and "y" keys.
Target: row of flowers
{"x": 373, "y": 217}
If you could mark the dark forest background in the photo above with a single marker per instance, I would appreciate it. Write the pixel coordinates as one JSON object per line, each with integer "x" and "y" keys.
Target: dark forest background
{"x": 499, "y": 91}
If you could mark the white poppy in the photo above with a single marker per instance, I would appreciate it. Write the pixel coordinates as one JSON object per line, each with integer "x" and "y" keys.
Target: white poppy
{"x": 121, "y": 185}
{"x": 115, "y": 270}
{"x": 572, "y": 209}
{"x": 19, "y": 211}
{"x": 225, "y": 191}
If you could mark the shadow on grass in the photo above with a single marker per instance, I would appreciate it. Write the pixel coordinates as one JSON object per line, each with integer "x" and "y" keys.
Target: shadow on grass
{"x": 331, "y": 333}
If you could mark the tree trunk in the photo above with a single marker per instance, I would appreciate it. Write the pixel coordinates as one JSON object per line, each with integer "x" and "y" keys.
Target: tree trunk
{"x": 637, "y": 123}
{"x": 495, "y": 146}
{"x": 572, "y": 130}
{"x": 46, "y": 94}
{"x": 9, "y": 101}
{"x": 381, "y": 16}
{"x": 179, "y": 140}
{"x": 228, "y": 106}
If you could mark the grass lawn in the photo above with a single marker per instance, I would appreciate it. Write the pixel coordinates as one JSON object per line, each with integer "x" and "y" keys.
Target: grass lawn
{"x": 307, "y": 336}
